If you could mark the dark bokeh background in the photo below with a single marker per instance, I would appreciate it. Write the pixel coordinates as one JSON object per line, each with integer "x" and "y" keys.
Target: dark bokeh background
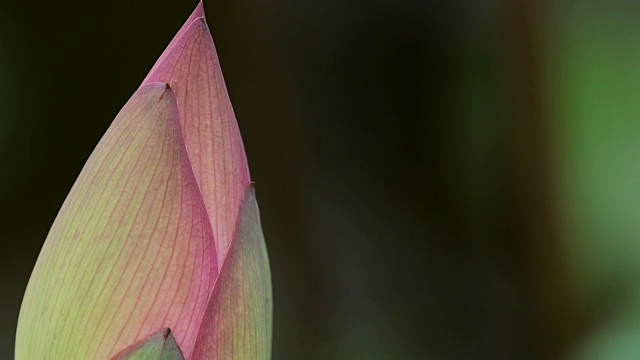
{"x": 435, "y": 177}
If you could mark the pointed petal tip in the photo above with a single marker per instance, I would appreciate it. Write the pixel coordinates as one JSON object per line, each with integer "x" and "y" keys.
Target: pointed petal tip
{"x": 199, "y": 11}
{"x": 169, "y": 88}
{"x": 159, "y": 90}
{"x": 197, "y": 14}
{"x": 194, "y": 30}
{"x": 156, "y": 87}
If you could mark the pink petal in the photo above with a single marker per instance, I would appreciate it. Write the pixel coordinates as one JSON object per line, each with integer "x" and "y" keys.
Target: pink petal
{"x": 211, "y": 133}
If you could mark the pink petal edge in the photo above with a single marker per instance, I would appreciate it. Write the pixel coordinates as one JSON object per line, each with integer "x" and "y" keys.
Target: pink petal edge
{"x": 190, "y": 64}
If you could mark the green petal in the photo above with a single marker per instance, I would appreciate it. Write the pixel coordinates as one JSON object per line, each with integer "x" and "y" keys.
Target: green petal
{"x": 159, "y": 346}
{"x": 237, "y": 323}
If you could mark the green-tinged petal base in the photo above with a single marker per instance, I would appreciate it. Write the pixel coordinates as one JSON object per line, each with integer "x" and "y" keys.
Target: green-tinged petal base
{"x": 159, "y": 346}
{"x": 131, "y": 250}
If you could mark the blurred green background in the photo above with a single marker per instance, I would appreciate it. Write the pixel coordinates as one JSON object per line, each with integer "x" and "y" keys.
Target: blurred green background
{"x": 437, "y": 179}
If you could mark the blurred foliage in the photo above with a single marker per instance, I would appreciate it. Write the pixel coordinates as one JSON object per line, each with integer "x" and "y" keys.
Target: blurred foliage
{"x": 594, "y": 88}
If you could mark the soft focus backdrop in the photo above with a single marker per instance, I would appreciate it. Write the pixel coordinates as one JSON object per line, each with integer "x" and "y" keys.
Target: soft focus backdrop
{"x": 437, "y": 179}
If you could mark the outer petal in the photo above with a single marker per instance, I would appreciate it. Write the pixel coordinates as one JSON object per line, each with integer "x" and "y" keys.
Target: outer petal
{"x": 131, "y": 251}
{"x": 237, "y": 323}
{"x": 211, "y": 133}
